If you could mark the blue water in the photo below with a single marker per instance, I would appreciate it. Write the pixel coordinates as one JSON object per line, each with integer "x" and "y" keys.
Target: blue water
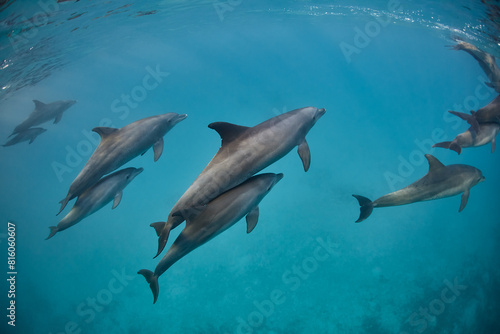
{"x": 307, "y": 267}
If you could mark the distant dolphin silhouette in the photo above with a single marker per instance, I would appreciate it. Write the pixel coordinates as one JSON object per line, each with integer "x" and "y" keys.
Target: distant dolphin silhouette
{"x": 487, "y": 134}
{"x": 44, "y": 113}
{"x": 485, "y": 60}
{"x": 119, "y": 146}
{"x": 96, "y": 197}
{"x": 487, "y": 114}
{"x": 441, "y": 181}
{"x": 26, "y": 135}
{"x": 244, "y": 152}
{"x": 203, "y": 224}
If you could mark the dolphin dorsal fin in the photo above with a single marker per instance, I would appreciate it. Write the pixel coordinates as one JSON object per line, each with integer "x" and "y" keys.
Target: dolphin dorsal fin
{"x": 104, "y": 131}
{"x": 434, "y": 163}
{"x": 228, "y": 131}
{"x": 38, "y": 104}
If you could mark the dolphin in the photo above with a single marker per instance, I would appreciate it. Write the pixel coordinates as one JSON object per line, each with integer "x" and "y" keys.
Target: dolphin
{"x": 119, "y": 146}
{"x": 487, "y": 114}
{"x": 214, "y": 218}
{"x": 485, "y": 60}
{"x": 441, "y": 181}
{"x": 96, "y": 197}
{"x": 487, "y": 134}
{"x": 244, "y": 151}
{"x": 44, "y": 112}
{"x": 25, "y": 135}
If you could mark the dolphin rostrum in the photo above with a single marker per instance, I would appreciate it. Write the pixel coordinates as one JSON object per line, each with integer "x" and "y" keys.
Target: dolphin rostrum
{"x": 96, "y": 197}
{"x": 244, "y": 151}
{"x": 218, "y": 215}
{"x": 119, "y": 146}
{"x": 487, "y": 134}
{"x": 44, "y": 112}
{"x": 25, "y": 135}
{"x": 487, "y": 114}
{"x": 441, "y": 181}
{"x": 485, "y": 60}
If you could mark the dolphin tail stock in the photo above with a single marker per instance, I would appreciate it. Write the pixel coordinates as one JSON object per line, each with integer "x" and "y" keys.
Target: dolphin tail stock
{"x": 53, "y": 231}
{"x": 468, "y": 118}
{"x": 366, "y": 207}
{"x": 162, "y": 231}
{"x": 152, "y": 279}
{"x": 449, "y": 145}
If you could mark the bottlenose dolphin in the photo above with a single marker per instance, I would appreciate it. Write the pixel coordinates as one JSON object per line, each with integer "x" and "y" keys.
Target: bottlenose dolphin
{"x": 43, "y": 113}
{"x": 487, "y": 114}
{"x": 485, "y": 60}
{"x": 96, "y": 197}
{"x": 119, "y": 146}
{"x": 29, "y": 134}
{"x": 244, "y": 151}
{"x": 441, "y": 181}
{"x": 487, "y": 134}
{"x": 214, "y": 218}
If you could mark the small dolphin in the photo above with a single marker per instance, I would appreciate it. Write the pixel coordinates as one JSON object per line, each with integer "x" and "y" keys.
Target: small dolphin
{"x": 441, "y": 181}
{"x": 214, "y": 218}
{"x": 244, "y": 151}
{"x": 119, "y": 146}
{"x": 29, "y": 134}
{"x": 487, "y": 114}
{"x": 43, "y": 113}
{"x": 96, "y": 197}
{"x": 487, "y": 134}
{"x": 485, "y": 60}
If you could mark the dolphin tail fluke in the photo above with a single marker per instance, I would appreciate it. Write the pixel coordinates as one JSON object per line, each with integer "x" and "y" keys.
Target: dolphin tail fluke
{"x": 366, "y": 207}
{"x": 468, "y": 118}
{"x": 63, "y": 203}
{"x": 152, "y": 279}
{"x": 162, "y": 231}
{"x": 53, "y": 231}
{"x": 449, "y": 145}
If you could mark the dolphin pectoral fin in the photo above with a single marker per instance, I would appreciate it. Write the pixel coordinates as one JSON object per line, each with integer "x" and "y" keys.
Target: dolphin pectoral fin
{"x": 158, "y": 148}
{"x": 468, "y": 118}
{"x": 493, "y": 145}
{"x": 152, "y": 279}
{"x": 118, "y": 198}
{"x": 305, "y": 155}
{"x": 366, "y": 207}
{"x": 58, "y": 118}
{"x": 53, "y": 231}
{"x": 227, "y": 131}
{"x": 465, "y": 198}
{"x": 104, "y": 131}
{"x": 252, "y": 218}
{"x": 449, "y": 145}
{"x": 444, "y": 144}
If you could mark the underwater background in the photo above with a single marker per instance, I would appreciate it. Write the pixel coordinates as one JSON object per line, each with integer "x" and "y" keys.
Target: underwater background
{"x": 385, "y": 74}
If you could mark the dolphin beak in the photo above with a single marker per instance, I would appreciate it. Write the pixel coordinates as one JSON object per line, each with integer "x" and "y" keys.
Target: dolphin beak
{"x": 138, "y": 171}
{"x": 321, "y": 112}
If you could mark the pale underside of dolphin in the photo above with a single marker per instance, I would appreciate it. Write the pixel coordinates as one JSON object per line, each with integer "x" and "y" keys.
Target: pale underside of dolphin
{"x": 441, "y": 181}
{"x": 28, "y": 135}
{"x": 244, "y": 151}
{"x": 218, "y": 215}
{"x": 119, "y": 146}
{"x": 109, "y": 188}
{"x": 44, "y": 112}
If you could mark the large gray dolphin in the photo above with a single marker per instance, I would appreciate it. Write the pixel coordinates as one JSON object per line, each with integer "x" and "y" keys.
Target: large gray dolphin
{"x": 119, "y": 146}
{"x": 26, "y": 135}
{"x": 485, "y": 60}
{"x": 487, "y": 134}
{"x": 441, "y": 181}
{"x": 244, "y": 151}
{"x": 487, "y": 114}
{"x": 44, "y": 112}
{"x": 214, "y": 218}
{"x": 97, "y": 196}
